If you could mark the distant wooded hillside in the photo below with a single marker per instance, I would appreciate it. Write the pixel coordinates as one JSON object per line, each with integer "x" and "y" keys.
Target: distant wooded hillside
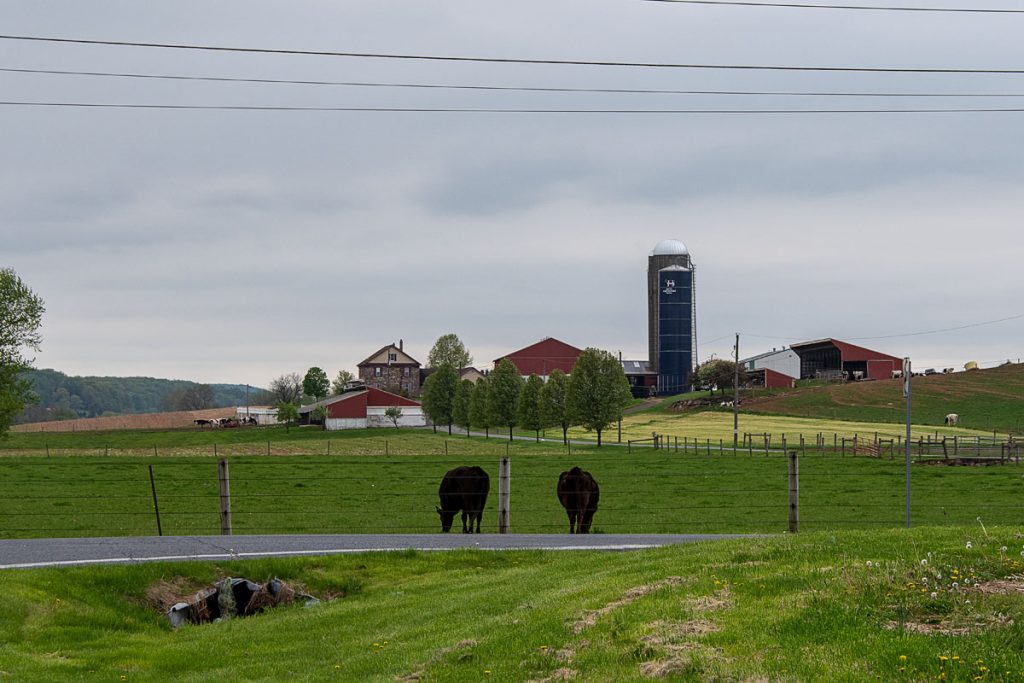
{"x": 63, "y": 397}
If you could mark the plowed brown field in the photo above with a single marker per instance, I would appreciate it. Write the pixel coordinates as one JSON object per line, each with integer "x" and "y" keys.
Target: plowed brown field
{"x": 175, "y": 420}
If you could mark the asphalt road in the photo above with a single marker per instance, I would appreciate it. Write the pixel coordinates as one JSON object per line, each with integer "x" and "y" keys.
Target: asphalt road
{"x": 64, "y": 552}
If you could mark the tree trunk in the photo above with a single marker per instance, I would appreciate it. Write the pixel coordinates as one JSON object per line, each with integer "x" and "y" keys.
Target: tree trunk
{"x": 449, "y": 429}
{"x": 598, "y": 438}
{"x": 510, "y": 432}
{"x": 565, "y": 435}
{"x": 537, "y": 432}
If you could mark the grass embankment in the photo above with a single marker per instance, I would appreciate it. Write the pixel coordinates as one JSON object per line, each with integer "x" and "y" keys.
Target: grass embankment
{"x": 359, "y": 489}
{"x": 924, "y": 604}
{"x": 986, "y": 400}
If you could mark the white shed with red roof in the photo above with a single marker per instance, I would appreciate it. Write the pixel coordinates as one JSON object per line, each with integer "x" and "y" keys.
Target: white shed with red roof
{"x": 366, "y": 408}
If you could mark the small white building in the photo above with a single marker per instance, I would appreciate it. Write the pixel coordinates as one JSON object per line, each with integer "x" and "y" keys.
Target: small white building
{"x": 784, "y": 361}
{"x": 265, "y": 415}
{"x": 366, "y": 408}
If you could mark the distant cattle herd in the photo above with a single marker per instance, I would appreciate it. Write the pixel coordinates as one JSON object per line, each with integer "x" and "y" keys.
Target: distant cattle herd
{"x": 464, "y": 489}
{"x": 226, "y": 422}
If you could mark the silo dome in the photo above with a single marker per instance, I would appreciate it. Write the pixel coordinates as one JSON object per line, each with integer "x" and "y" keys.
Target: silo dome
{"x": 669, "y": 248}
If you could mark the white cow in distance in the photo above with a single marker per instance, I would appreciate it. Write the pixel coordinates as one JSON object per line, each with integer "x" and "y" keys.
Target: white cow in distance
{"x": 952, "y": 419}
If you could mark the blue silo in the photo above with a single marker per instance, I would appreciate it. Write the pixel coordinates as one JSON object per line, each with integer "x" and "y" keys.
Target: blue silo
{"x": 675, "y": 329}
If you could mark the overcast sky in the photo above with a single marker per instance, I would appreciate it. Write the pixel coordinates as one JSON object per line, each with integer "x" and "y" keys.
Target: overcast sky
{"x": 233, "y": 246}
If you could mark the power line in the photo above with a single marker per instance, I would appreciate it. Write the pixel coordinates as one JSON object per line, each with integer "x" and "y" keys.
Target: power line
{"x": 795, "y": 5}
{"x": 484, "y": 110}
{"x": 945, "y": 329}
{"x": 903, "y": 334}
{"x": 508, "y": 60}
{"x": 442, "y": 86}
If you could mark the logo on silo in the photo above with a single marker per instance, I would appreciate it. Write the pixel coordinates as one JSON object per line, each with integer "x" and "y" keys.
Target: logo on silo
{"x": 670, "y": 287}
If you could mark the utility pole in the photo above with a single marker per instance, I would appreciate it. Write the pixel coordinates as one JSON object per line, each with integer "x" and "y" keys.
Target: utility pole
{"x": 736, "y": 395}
{"x": 906, "y": 393}
{"x": 246, "y": 401}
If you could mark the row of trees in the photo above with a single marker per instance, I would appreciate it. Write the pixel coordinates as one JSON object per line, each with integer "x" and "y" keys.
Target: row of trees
{"x": 292, "y": 387}
{"x": 593, "y": 397}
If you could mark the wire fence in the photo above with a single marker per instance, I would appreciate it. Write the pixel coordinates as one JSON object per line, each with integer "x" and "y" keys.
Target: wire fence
{"x": 650, "y": 490}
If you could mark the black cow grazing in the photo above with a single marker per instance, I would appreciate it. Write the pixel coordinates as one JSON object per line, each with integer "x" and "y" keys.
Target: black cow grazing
{"x": 579, "y": 494}
{"x": 465, "y": 489}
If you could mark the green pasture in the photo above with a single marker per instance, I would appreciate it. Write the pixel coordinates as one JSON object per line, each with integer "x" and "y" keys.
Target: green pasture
{"x": 892, "y": 605}
{"x": 718, "y": 424}
{"x": 359, "y": 488}
{"x": 987, "y": 400}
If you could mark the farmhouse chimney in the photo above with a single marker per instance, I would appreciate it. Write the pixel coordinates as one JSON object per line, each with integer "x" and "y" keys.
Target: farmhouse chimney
{"x": 401, "y": 344}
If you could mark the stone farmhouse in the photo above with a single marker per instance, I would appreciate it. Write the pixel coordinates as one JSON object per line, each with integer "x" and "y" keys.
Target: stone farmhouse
{"x": 392, "y": 369}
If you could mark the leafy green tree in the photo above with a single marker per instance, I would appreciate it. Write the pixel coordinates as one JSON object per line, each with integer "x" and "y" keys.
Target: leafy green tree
{"x": 319, "y": 416}
{"x": 315, "y": 383}
{"x": 461, "y": 405}
{"x": 288, "y": 413}
{"x": 439, "y": 395}
{"x": 449, "y": 350}
{"x": 343, "y": 378}
{"x": 21, "y": 313}
{"x": 479, "y": 413}
{"x": 598, "y": 391}
{"x": 503, "y": 395}
{"x": 717, "y": 373}
{"x": 393, "y": 413}
{"x": 528, "y": 413}
{"x": 554, "y": 402}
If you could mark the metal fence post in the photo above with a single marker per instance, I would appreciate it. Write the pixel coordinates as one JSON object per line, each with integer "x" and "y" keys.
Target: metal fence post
{"x": 794, "y": 493}
{"x": 225, "y": 497}
{"x": 504, "y": 489}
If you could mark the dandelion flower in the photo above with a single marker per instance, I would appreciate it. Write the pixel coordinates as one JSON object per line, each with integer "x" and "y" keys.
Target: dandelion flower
{"x": 969, "y": 545}
{"x": 1003, "y": 549}
{"x": 924, "y": 563}
{"x": 869, "y": 561}
{"x": 903, "y": 658}
{"x": 934, "y": 594}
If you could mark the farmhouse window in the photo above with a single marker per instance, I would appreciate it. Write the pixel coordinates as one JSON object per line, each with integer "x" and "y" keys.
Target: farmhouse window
{"x": 376, "y": 371}
{"x": 392, "y": 357}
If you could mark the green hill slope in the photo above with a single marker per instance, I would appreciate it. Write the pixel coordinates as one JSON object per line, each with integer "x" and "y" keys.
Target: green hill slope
{"x": 984, "y": 399}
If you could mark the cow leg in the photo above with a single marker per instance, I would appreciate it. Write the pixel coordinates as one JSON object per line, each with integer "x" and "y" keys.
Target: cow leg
{"x": 585, "y": 521}
{"x": 464, "y": 529}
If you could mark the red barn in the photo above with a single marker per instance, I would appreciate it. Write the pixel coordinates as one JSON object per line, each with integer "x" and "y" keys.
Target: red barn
{"x": 831, "y": 358}
{"x": 543, "y": 357}
{"x": 365, "y": 408}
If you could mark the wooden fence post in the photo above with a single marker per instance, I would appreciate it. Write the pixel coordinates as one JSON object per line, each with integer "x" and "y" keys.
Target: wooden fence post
{"x": 794, "y": 493}
{"x": 156, "y": 506}
{"x": 225, "y": 497}
{"x": 504, "y": 491}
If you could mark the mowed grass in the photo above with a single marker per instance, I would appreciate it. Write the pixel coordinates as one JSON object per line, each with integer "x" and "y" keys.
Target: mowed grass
{"x": 897, "y": 605}
{"x": 363, "y": 490}
{"x": 718, "y": 424}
